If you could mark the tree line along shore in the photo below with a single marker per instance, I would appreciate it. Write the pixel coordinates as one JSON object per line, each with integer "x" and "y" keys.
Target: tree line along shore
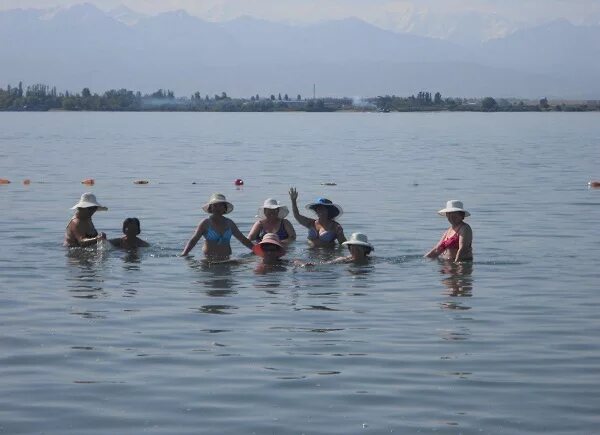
{"x": 40, "y": 97}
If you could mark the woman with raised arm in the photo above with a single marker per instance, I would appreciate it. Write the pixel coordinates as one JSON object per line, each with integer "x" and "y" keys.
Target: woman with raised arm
{"x": 80, "y": 230}
{"x": 217, "y": 231}
{"x": 455, "y": 244}
{"x": 272, "y": 220}
{"x": 324, "y": 230}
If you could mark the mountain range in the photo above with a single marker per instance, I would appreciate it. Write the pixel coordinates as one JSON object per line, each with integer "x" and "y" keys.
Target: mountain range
{"x": 83, "y": 46}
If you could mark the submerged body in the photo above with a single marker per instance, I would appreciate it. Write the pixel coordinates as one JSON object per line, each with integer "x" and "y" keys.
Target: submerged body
{"x": 80, "y": 231}
{"x": 456, "y": 242}
{"x": 324, "y": 231}
{"x": 217, "y": 231}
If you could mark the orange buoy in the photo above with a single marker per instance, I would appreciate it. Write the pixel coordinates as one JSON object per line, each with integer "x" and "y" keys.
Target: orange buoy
{"x": 594, "y": 184}
{"x": 88, "y": 181}
{"x": 4, "y": 181}
{"x": 26, "y": 181}
{"x": 239, "y": 182}
{"x": 141, "y": 182}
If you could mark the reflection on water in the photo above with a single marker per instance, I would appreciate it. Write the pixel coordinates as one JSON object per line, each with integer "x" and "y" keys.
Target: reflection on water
{"x": 86, "y": 266}
{"x": 217, "y": 278}
{"x": 457, "y": 280}
{"x": 131, "y": 260}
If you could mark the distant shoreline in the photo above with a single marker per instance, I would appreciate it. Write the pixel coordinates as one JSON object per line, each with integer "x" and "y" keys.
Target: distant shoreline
{"x": 43, "y": 98}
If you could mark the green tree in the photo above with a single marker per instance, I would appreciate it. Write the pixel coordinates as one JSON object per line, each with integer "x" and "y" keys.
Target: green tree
{"x": 489, "y": 104}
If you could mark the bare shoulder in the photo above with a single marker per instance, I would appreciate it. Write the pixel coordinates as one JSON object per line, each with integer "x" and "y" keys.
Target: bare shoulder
{"x": 465, "y": 229}
{"x": 115, "y": 242}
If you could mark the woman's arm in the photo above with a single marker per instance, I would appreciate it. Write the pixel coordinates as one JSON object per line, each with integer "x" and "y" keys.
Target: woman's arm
{"x": 434, "y": 251}
{"x": 81, "y": 238}
{"x": 339, "y": 231}
{"x": 465, "y": 238}
{"x": 192, "y": 242}
{"x": 289, "y": 228}
{"x": 302, "y": 220}
{"x": 253, "y": 234}
{"x": 238, "y": 235}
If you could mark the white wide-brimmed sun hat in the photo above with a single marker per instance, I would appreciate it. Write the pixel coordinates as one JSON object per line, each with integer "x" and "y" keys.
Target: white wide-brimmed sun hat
{"x": 358, "y": 239}
{"x": 217, "y": 198}
{"x": 88, "y": 200}
{"x": 453, "y": 205}
{"x": 334, "y": 210}
{"x": 273, "y": 204}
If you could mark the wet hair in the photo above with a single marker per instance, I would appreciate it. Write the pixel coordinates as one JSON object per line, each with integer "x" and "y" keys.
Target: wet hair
{"x": 129, "y": 221}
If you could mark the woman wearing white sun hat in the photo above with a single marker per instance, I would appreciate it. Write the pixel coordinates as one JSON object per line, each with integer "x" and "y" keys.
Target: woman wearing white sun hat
{"x": 456, "y": 242}
{"x": 80, "y": 230}
{"x": 272, "y": 220}
{"x": 359, "y": 247}
{"x": 217, "y": 231}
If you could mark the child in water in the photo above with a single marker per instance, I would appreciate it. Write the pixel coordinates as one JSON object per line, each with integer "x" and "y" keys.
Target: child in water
{"x": 131, "y": 229}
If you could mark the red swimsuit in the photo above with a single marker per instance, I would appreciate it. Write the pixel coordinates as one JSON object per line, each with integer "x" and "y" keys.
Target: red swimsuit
{"x": 450, "y": 242}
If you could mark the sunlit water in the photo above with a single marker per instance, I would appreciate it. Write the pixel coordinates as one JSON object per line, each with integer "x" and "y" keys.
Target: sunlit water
{"x": 102, "y": 341}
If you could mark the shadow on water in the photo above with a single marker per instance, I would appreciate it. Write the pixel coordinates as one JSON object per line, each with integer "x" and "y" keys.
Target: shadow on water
{"x": 86, "y": 266}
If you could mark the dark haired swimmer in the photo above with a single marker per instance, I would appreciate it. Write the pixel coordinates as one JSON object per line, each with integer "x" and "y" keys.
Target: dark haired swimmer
{"x": 130, "y": 240}
{"x": 359, "y": 248}
{"x": 455, "y": 244}
{"x": 217, "y": 231}
{"x": 80, "y": 230}
{"x": 323, "y": 231}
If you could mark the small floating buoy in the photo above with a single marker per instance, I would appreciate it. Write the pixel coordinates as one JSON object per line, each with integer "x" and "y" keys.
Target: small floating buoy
{"x": 4, "y": 181}
{"x": 88, "y": 181}
{"x": 26, "y": 181}
{"x": 141, "y": 182}
{"x": 594, "y": 184}
{"x": 239, "y": 182}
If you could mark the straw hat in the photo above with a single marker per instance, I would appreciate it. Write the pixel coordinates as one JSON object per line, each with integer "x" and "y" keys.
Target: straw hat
{"x": 273, "y": 204}
{"x": 334, "y": 210}
{"x": 269, "y": 239}
{"x": 88, "y": 200}
{"x": 359, "y": 239}
{"x": 218, "y": 198}
{"x": 453, "y": 205}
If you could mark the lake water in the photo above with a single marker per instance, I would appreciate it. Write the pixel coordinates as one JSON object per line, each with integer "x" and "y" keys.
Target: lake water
{"x": 101, "y": 341}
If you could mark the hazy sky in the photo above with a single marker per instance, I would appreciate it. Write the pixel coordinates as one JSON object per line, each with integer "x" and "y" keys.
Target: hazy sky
{"x": 382, "y": 11}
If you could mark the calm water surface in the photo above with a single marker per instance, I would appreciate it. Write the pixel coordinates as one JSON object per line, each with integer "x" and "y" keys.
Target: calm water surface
{"x": 101, "y": 341}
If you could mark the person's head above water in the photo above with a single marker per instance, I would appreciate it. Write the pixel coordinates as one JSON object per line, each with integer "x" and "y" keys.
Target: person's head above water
{"x": 454, "y": 211}
{"x": 131, "y": 227}
{"x": 270, "y": 247}
{"x": 358, "y": 245}
{"x": 272, "y": 208}
{"x": 324, "y": 206}
{"x": 88, "y": 200}
{"x": 218, "y": 204}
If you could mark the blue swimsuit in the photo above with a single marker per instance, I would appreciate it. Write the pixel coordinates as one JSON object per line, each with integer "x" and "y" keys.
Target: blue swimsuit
{"x": 214, "y": 236}
{"x": 323, "y": 235}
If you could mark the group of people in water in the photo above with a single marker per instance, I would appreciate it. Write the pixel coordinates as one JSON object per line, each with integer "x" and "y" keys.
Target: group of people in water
{"x": 271, "y": 233}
